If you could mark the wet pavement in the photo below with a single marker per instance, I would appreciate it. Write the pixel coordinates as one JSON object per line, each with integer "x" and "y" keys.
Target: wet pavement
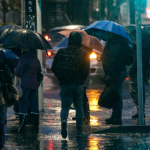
{"x": 99, "y": 136}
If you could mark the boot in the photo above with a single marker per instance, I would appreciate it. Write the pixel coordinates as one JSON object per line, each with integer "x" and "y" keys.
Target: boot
{"x": 64, "y": 129}
{"x": 35, "y": 122}
{"x": 22, "y": 120}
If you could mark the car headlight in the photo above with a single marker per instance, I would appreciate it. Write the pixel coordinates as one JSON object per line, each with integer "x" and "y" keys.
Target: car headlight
{"x": 93, "y": 55}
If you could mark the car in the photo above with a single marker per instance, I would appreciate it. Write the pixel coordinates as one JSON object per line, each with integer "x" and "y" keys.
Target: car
{"x": 53, "y": 37}
{"x": 96, "y": 69}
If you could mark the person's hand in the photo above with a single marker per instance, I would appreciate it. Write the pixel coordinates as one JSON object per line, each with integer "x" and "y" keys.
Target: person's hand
{"x": 107, "y": 78}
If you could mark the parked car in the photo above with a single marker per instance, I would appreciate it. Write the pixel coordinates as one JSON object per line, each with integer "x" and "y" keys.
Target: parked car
{"x": 96, "y": 68}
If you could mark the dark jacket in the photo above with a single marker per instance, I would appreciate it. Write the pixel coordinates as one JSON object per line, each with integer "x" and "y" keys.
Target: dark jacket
{"x": 112, "y": 58}
{"x": 74, "y": 46}
{"x": 145, "y": 61}
{"x": 27, "y": 69}
{"x": 5, "y": 77}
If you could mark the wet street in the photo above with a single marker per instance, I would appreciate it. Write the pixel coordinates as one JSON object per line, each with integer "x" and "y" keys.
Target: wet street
{"x": 99, "y": 136}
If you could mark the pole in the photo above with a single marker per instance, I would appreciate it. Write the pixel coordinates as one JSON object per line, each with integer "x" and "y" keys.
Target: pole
{"x": 139, "y": 61}
{"x": 40, "y": 54}
{"x": 22, "y": 13}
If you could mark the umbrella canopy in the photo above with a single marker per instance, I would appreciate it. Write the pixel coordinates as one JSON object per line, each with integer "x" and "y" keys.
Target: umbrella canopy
{"x": 87, "y": 40}
{"x": 99, "y": 28}
{"x": 7, "y": 54}
{"x": 6, "y": 29}
{"x": 25, "y": 39}
{"x": 131, "y": 30}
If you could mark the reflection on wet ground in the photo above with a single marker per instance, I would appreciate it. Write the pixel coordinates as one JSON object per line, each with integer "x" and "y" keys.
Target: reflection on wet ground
{"x": 49, "y": 137}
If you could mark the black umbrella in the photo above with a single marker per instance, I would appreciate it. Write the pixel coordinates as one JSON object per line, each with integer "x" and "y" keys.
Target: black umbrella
{"x": 6, "y": 29}
{"x": 25, "y": 39}
{"x": 7, "y": 54}
{"x": 131, "y": 30}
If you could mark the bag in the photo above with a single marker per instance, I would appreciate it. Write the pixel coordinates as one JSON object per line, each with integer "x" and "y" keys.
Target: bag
{"x": 128, "y": 55}
{"x": 109, "y": 97}
{"x": 17, "y": 85}
{"x": 11, "y": 95}
{"x": 39, "y": 76}
{"x": 67, "y": 67}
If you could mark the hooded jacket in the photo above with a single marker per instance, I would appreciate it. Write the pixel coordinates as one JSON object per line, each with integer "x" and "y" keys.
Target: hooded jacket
{"x": 74, "y": 44}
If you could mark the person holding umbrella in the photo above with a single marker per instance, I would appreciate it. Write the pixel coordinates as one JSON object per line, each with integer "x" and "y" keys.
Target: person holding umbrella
{"x": 27, "y": 69}
{"x": 115, "y": 71}
{"x": 6, "y": 77}
{"x": 113, "y": 59}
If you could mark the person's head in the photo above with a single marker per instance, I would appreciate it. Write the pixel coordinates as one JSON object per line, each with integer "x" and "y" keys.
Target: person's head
{"x": 75, "y": 39}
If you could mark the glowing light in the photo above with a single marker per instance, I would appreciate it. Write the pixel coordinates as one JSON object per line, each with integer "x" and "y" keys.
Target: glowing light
{"x": 49, "y": 53}
{"x": 127, "y": 78}
{"x": 46, "y": 37}
{"x": 93, "y": 55}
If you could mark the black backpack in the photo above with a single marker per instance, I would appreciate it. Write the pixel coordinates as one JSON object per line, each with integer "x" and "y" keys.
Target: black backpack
{"x": 68, "y": 64}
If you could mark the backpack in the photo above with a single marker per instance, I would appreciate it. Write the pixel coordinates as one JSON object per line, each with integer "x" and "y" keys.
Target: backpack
{"x": 68, "y": 64}
{"x": 128, "y": 55}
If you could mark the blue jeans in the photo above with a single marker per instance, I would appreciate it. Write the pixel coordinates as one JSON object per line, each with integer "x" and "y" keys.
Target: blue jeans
{"x": 69, "y": 94}
{"x": 116, "y": 82}
{"x": 3, "y": 111}
{"x": 31, "y": 96}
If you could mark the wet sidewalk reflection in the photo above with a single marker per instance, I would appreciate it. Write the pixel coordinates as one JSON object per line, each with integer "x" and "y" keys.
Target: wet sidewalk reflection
{"x": 49, "y": 137}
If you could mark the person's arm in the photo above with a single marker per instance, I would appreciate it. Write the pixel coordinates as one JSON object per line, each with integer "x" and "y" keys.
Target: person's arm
{"x": 20, "y": 68}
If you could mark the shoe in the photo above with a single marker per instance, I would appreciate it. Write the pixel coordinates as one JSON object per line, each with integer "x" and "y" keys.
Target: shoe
{"x": 114, "y": 121}
{"x": 80, "y": 135}
{"x": 64, "y": 129}
{"x": 136, "y": 116}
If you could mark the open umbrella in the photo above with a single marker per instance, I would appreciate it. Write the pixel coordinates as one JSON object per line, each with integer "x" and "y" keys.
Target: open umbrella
{"x": 6, "y": 29}
{"x": 87, "y": 40}
{"x": 131, "y": 30}
{"x": 7, "y": 54}
{"x": 25, "y": 39}
{"x": 99, "y": 29}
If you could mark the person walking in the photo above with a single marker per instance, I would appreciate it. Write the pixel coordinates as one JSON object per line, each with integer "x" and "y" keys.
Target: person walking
{"x": 133, "y": 87}
{"x": 27, "y": 69}
{"x": 115, "y": 71}
{"x": 71, "y": 67}
{"x": 5, "y": 77}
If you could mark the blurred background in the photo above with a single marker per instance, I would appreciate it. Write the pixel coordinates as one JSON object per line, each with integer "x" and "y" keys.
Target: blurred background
{"x": 66, "y": 12}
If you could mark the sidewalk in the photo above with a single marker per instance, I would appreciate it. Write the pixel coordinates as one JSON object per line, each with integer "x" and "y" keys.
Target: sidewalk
{"x": 98, "y": 134}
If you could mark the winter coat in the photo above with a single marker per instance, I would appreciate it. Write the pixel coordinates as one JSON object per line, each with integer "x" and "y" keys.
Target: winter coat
{"x": 74, "y": 44}
{"x": 27, "y": 69}
{"x": 5, "y": 77}
{"x": 145, "y": 62}
{"x": 112, "y": 58}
